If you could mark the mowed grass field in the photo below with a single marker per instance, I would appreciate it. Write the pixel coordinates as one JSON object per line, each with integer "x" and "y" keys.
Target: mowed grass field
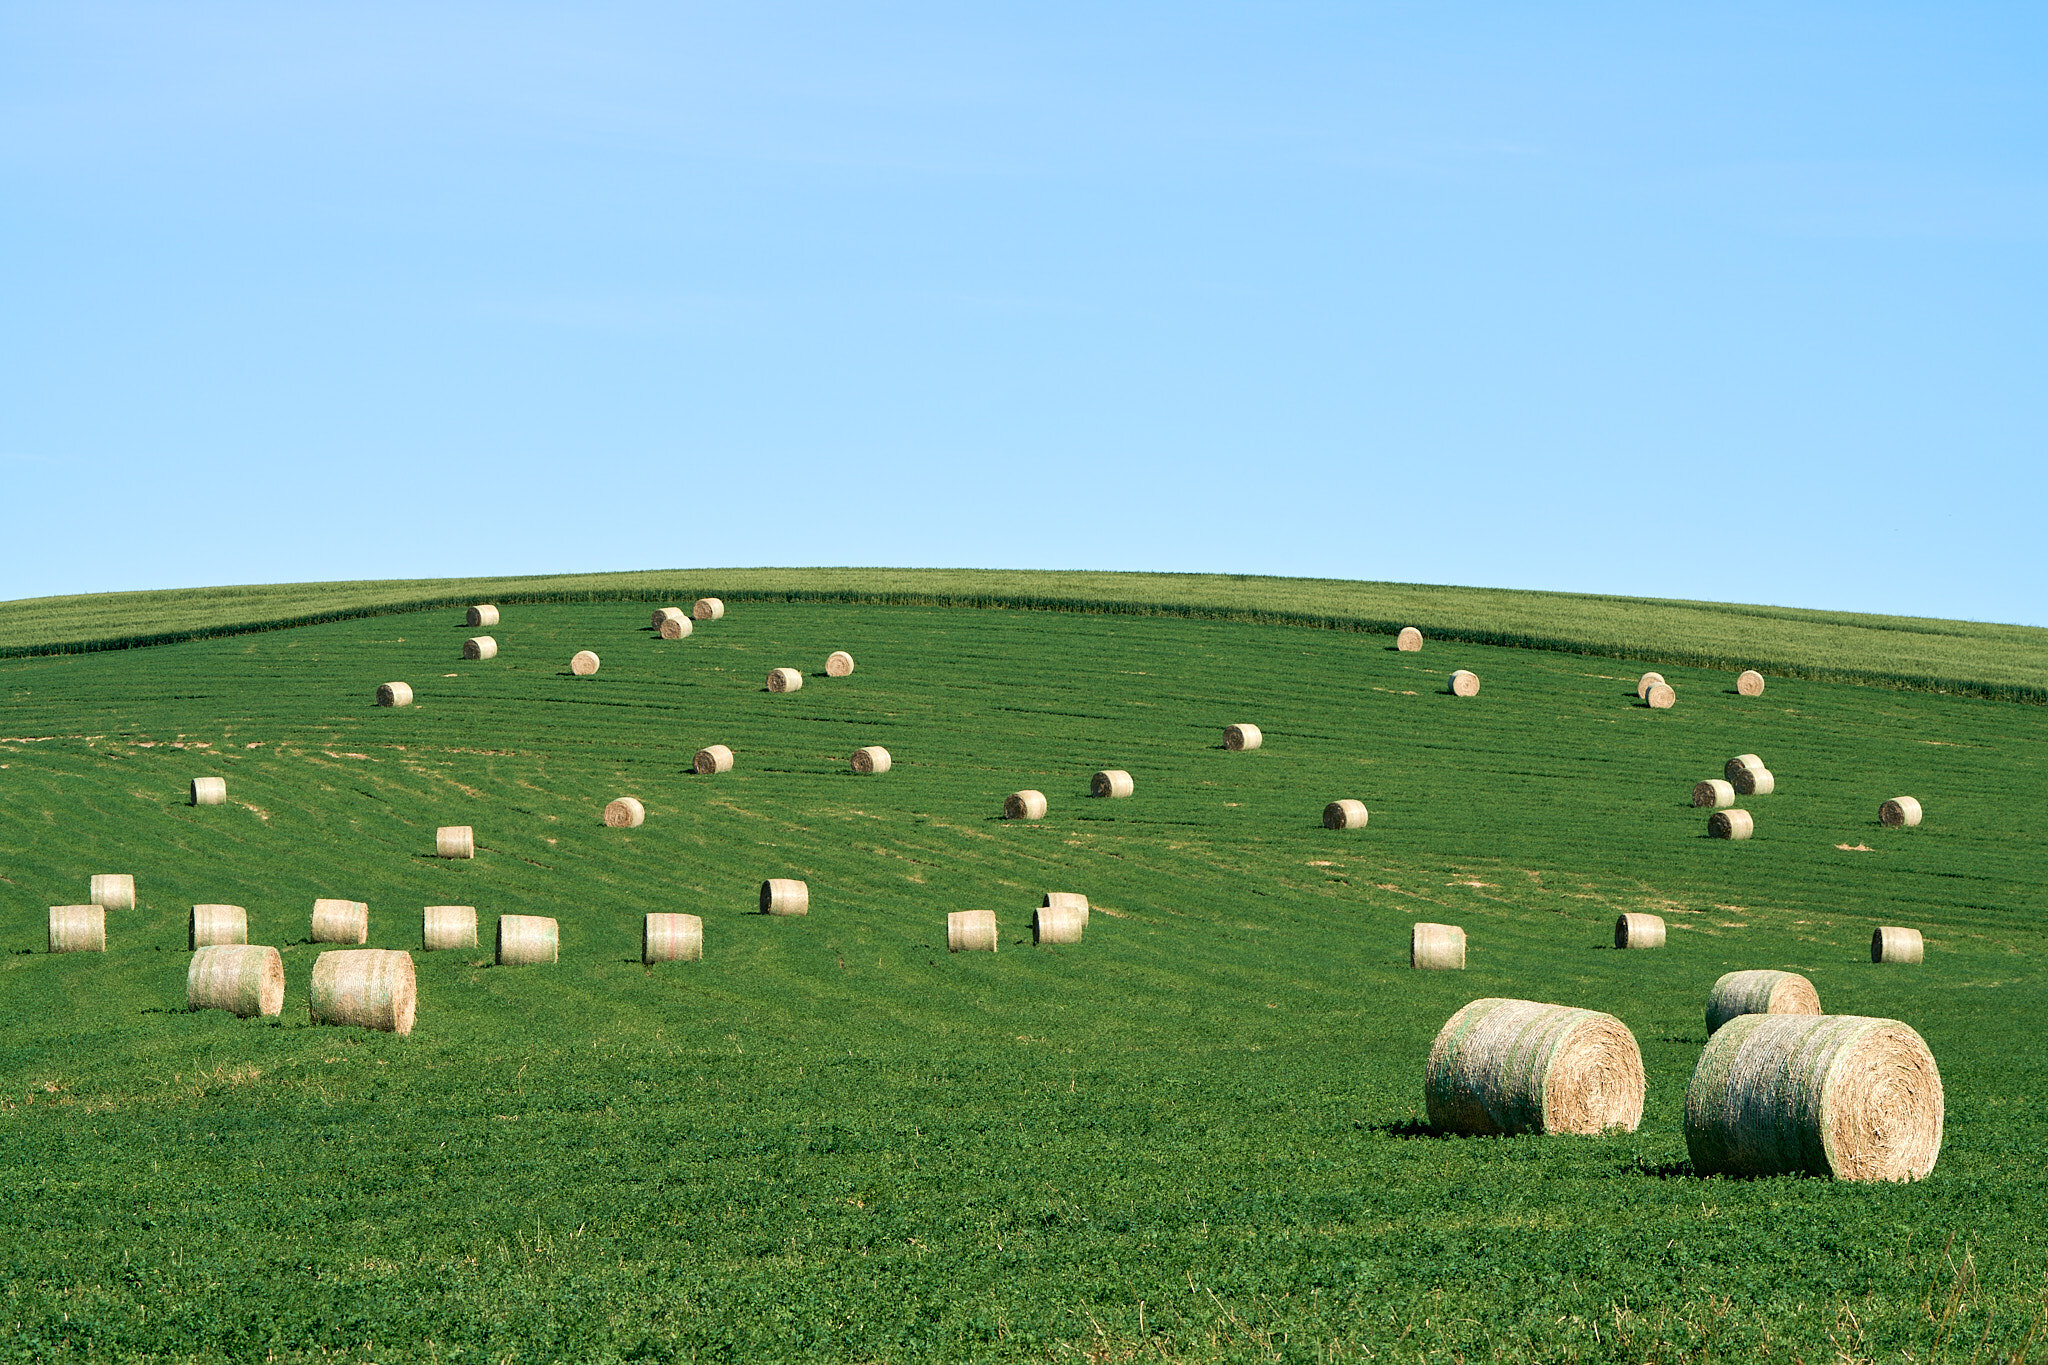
{"x": 1196, "y": 1135}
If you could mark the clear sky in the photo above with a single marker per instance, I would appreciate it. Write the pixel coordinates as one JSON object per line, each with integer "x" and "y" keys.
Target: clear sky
{"x": 1741, "y": 302}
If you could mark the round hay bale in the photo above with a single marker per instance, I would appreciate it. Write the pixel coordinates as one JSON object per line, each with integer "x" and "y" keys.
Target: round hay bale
{"x": 1754, "y": 782}
{"x": 707, "y": 609}
{"x": 364, "y": 988}
{"x": 1892, "y": 944}
{"x": 675, "y": 627}
{"x": 209, "y": 791}
{"x": 479, "y": 647}
{"x": 1639, "y": 931}
{"x": 455, "y": 841}
{"x": 337, "y": 921}
{"x": 671, "y": 938}
{"x": 971, "y": 931}
{"x": 1900, "y": 810}
{"x": 213, "y": 926}
{"x": 1750, "y": 683}
{"x": 1065, "y": 900}
{"x": 838, "y": 664}
{"x": 715, "y": 758}
{"x": 1436, "y": 947}
{"x": 583, "y": 663}
{"x": 1715, "y": 793}
{"x": 1409, "y": 640}
{"x": 1759, "y": 991}
{"x": 394, "y": 694}
{"x": 528, "y": 940}
{"x": 1026, "y": 805}
{"x": 1646, "y": 682}
{"x": 1111, "y": 783}
{"x": 1238, "y": 738}
{"x": 872, "y": 759}
{"x": 784, "y": 680}
{"x": 1829, "y": 1094}
{"x": 1058, "y": 924}
{"x": 1345, "y": 814}
{"x": 1730, "y": 824}
{"x": 625, "y": 813}
{"x": 447, "y": 926}
{"x": 785, "y": 896}
{"x": 242, "y": 980}
{"x": 1738, "y": 763}
{"x": 666, "y": 613}
{"x": 482, "y": 614}
{"x": 114, "y": 890}
{"x": 78, "y": 928}
{"x": 1661, "y": 697}
{"x": 1517, "y": 1066}
{"x": 1464, "y": 684}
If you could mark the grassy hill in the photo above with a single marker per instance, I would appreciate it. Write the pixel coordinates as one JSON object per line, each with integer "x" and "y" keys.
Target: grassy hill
{"x": 1194, "y": 1136}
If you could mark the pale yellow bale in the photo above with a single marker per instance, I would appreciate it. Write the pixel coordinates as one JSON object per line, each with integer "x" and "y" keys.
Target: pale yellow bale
{"x": 713, "y": 758}
{"x": 838, "y": 664}
{"x": 1754, "y": 782}
{"x": 339, "y": 921}
{"x": 209, "y": 791}
{"x": 871, "y": 759}
{"x": 1111, "y": 783}
{"x": 114, "y": 890}
{"x": 1345, "y": 814}
{"x": 1731, "y": 824}
{"x": 479, "y": 647}
{"x": 394, "y": 694}
{"x": 1646, "y": 682}
{"x": 1024, "y": 805}
{"x": 78, "y": 928}
{"x": 785, "y": 896}
{"x": 671, "y": 938}
{"x": 1065, "y": 900}
{"x": 1464, "y": 683}
{"x": 482, "y": 614}
{"x": 1639, "y": 931}
{"x": 447, "y": 926}
{"x": 1409, "y": 640}
{"x": 1750, "y": 683}
{"x": 784, "y": 680}
{"x": 1899, "y": 811}
{"x": 1240, "y": 737}
{"x": 1058, "y": 924}
{"x": 1890, "y": 944}
{"x": 625, "y": 812}
{"x": 1521, "y": 1066}
{"x": 665, "y": 613}
{"x": 1759, "y": 991}
{"x": 455, "y": 841}
{"x": 371, "y": 988}
{"x": 1436, "y": 947}
{"x": 675, "y": 627}
{"x": 1738, "y": 763}
{"x": 1715, "y": 793}
{"x": 1660, "y": 697}
{"x": 971, "y": 931}
{"x": 707, "y": 609}
{"x": 243, "y": 980}
{"x": 213, "y": 926}
{"x": 583, "y": 663}
{"x": 528, "y": 940}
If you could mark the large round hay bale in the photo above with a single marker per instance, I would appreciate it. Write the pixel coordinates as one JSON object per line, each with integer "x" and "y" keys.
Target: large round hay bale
{"x": 78, "y": 928}
{"x": 394, "y": 694}
{"x": 1409, "y": 640}
{"x": 1738, "y": 763}
{"x": 1828, "y": 1094}
{"x": 1464, "y": 683}
{"x": 1436, "y": 947}
{"x": 625, "y": 812}
{"x": 482, "y": 614}
{"x": 243, "y": 980}
{"x": 1900, "y": 810}
{"x": 1750, "y": 683}
{"x": 479, "y": 647}
{"x": 1065, "y": 900}
{"x": 1058, "y": 924}
{"x": 838, "y": 664}
{"x": 1241, "y": 737}
{"x": 1893, "y": 944}
{"x": 364, "y": 988}
{"x": 209, "y": 791}
{"x": 1660, "y": 697}
{"x": 1111, "y": 783}
{"x": 1754, "y": 782}
{"x": 675, "y": 626}
{"x": 455, "y": 841}
{"x": 528, "y": 940}
{"x": 1639, "y": 931}
{"x": 666, "y": 613}
{"x": 1345, "y": 814}
{"x": 707, "y": 609}
{"x": 213, "y": 926}
{"x": 1517, "y": 1066}
{"x": 338, "y": 921}
{"x": 583, "y": 663}
{"x": 1646, "y": 682}
{"x": 871, "y": 759}
{"x": 114, "y": 890}
{"x": 713, "y": 758}
{"x": 1730, "y": 824}
{"x": 784, "y": 680}
{"x": 1715, "y": 793}
{"x": 671, "y": 938}
{"x": 785, "y": 896}
{"x": 447, "y": 926}
{"x": 971, "y": 931}
{"x": 1024, "y": 805}
{"x": 1759, "y": 991}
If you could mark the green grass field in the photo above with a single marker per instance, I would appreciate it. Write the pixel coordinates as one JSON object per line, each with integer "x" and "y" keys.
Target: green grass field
{"x": 1195, "y": 1136}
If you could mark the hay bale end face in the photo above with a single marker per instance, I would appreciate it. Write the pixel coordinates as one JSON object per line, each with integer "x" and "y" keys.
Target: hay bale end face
{"x": 1058, "y": 924}
{"x": 785, "y": 896}
{"x": 1759, "y": 991}
{"x": 1436, "y": 947}
{"x": 1828, "y": 1094}
{"x": 479, "y": 647}
{"x": 1715, "y": 793}
{"x": 209, "y": 791}
{"x": 662, "y": 614}
{"x": 1025, "y": 805}
{"x": 671, "y": 938}
{"x": 1345, "y": 814}
{"x": 871, "y": 759}
{"x": 675, "y": 626}
{"x": 1754, "y": 782}
{"x": 784, "y": 680}
{"x": 583, "y": 663}
{"x": 1409, "y": 640}
{"x": 482, "y": 614}
{"x": 971, "y": 931}
{"x": 1730, "y": 824}
{"x": 1646, "y": 682}
{"x": 625, "y": 813}
{"x": 455, "y": 841}
{"x": 243, "y": 980}
{"x": 1738, "y": 763}
{"x": 114, "y": 890}
{"x": 1111, "y": 783}
{"x": 214, "y": 926}
{"x": 528, "y": 940}
{"x": 371, "y": 988}
{"x": 1464, "y": 684}
{"x": 1892, "y": 944}
{"x": 707, "y": 609}
{"x": 447, "y": 926}
{"x": 394, "y": 694}
{"x": 78, "y": 928}
{"x": 1065, "y": 900}
{"x": 1238, "y": 738}
{"x": 711, "y": 759}
{"x": 1899, "y": 812}
{"x": 838, "y": 664}
{"x": 1750, "y": 683}
{"x": 1639, "y": 931}
{"x": 339, "y": 921}
{"x": 1660, "y": 697}
{"x": 1519, "y": 1066}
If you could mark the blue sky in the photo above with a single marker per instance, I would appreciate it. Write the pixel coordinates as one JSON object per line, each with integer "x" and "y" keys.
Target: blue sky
{"x": 1742, "y": 304}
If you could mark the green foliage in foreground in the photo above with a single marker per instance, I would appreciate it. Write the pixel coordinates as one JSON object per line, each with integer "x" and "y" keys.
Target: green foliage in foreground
{"x": 1193, "y": 1137}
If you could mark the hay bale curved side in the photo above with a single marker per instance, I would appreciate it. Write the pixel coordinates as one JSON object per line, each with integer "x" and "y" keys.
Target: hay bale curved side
{"x": 1058, "y": 924}
{"x": 1731, "y": 824}
{"x": 784, "y": 680}
{"x": 1760, "y": 990}
{"x": 1899, "y": 812}
{"x": 1754, "y": 782}
{"x": 1660, "y": 697}
{"x": 1639, "y": 931}
{"x": 1715, "y": 793}
{"x": 1024, "y": 805}
{"x": 707, "y": 609}
{"x": 528, "y": 940}
{"x": 1409, "y": 640}
{"x": 455, "y": 841}
{"x": 1065, "y": 900}
{"x": 671, "y": 938}
{"x": 971, "y": 931}
{"x": 583, "y": 663}
{"x": 114, "y": 890}
{"x": 870, "y": 759}
{"x": 785, "y": 896}
{"x": 1111, "y": 784}
{"x": 447, "y": 926}
{"x": 1520, "y": 1066}
{"x": 712, "y": 759}
{"x": 1436, "y": 947}
{"x": 78, "y": 928}
{"x": 1750, "y": 683}
{"x": 838, "y": 664}
{"x": 209, "y": 791}
{"x": 624, "y": 812}
{"x": 479, "y": 647}
{"x": 1345, "y": 814}
{"x": 1738, "y": 763}
{"x": 394, "y": 694}
{"x": 1238, "y": 738}
{"x": 372, "y": 988}
{"x": 245, "y": 981}
{"x": 1646, "y": 682}
{"x": 340, "y": 921}
{"x": 214, "y": 926}
{"x": 1890, "y": 943}
{"x": 482, "y": 614}
{"x": 661, "y": 614}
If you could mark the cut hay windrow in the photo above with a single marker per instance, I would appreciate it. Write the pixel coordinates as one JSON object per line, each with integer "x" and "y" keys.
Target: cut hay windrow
{"x": 78, "y": 928}
{"x": 479, "y": 647}
{"x": 838, "y": 664}
{"x": 1901, "y": 812}
{"x": 1646, "y": 682}
{"x": 1065, "y": 900}
{"x": 1519, "y": 1066}
{"x": 1639, "y": 931}
{"x": 394, "y": 694}
{"x": 214, "y": 926}
{"x": 1409, "y": 640}
{"x": 1660, "y": 697}
{"x": 671, "y": 938}
{"x": 1058, "y": 924}
{"x": 785, "y": 896}
{"x": 971, "y": 931}
{"x": 482, "y": 614}
{"x": 1238, "y": 738}
{"x": 870, "y": 759}
{"x": 583, "y": 663}
{"x": 1738, "y": 763}
{"x": 707, "y": 609}
{"x": 1759, "y": 991}
{"x": 1754, "y": 782}
{"x": 447, "y": 926}
{"x": 1345, "y": 814}
{"x": 528, "y": 940}
{"x": 1893, "y": 944}
{"x": 712, "y": 759}
{"x": 371, "y": 988}
{"x": 785, "y": 680}
{"x": 1024, "y": 805}
{"x": 243, "y": 980}
{"x": 1436, "y": 947}
{"x": 455, "y": 841}
{"x": 114, "y": 890}
{"x": 1464, "y": 683}
{"x": 1750, "y": 683}
{"x": 209, "y": 791}
{"x": 339, "y": 921}
{"x": 1730, "y": 824}
{"x": 624, "y": 812}
{"x": 1716, "y": 793}
{"x": 675, "y": 626}
{"x": 1111, "y": 783}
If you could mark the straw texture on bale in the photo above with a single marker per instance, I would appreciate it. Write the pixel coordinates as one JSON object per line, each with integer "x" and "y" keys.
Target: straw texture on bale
{"x": 482, "y": 614}
{"x": 583, "y": 663}
{"x": 78, "y": 928}
{"x": 1716, "y": 793}
{"x": 838, "y": 664}
{"x": 1345, "y": 814}
{"x": 528, "y": 940}
{"x": 338, "y": 921}
{"x": 712, "y": 758}
{"x": 971, "y": 931}
{"x": 707, "y": 609}
{"x": 1409, "y": 640}
{"x": 1661, "y": 697}
{"x": 1112, "y": 782}
{"x": 871, "y": 759}
{"x": 212, "y": 926}
{"x": 364, "y": 988}
{"x": 1754, "y": 782}
{"x": 1900, "y": 810}
{"x": 675, "y": 627}
{"x": 1639, "y": 931}
{"x": 209, "y": 791}
{"x": 1517, "y": 1066}
{"x": 1738, "y": 763}
{"x": 1065, "y": 900}
{"x": 1730, "y": 824}
{"x": 1240, "y": 737}
{"x": 671, "y": 938}
{"x": 1750, "y": 683}
{"x": 455, "y": 841}
{"x": 114, "y": 890}
{"x": 243, "y": 980}
{"x": 1892, "y": 944}
{"x": 625, "y": 813}
{"x": 1828, "y": 1094}
{"x": 1058, "y": 924}
{"x": 1646, "y": 682}
{"x": 447, "y": 926}
{"x": 784, "y": 680}
{"x": 663, "y": 614}
{"x": 394, "y": 694}
{"x": 1025, "y": 805}
{"x": 785, "y": 896}
{"x": 479, "y": 647}
{"x": 1464, "y": 684}
{"x": 1436, "y": 947}
{"x": 1759, "y": 991}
